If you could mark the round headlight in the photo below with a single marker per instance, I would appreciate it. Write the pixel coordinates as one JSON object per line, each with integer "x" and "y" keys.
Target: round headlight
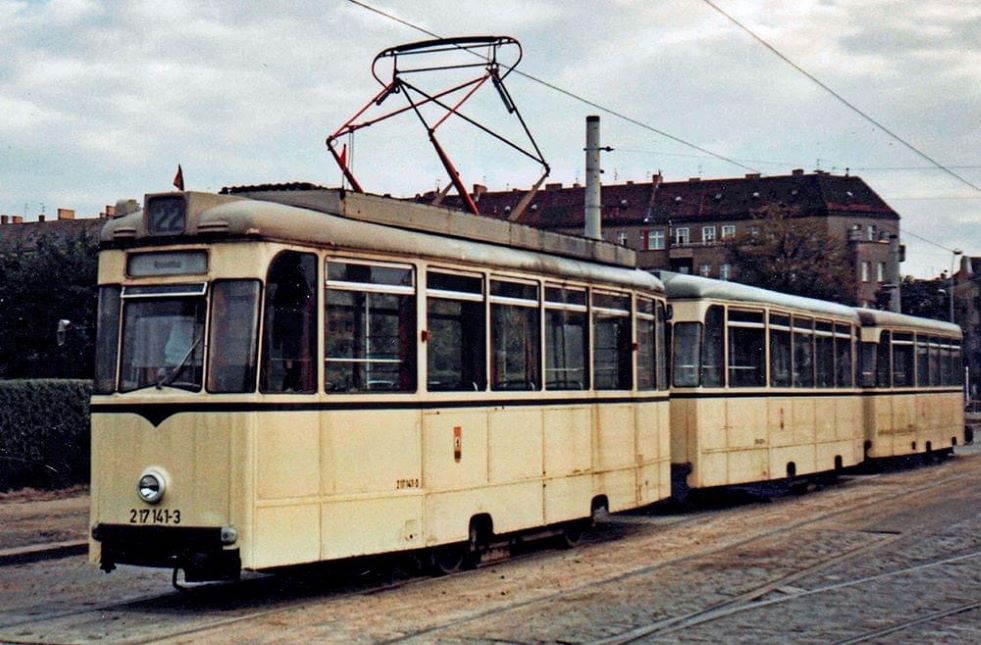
{"x": 151, "y": 487}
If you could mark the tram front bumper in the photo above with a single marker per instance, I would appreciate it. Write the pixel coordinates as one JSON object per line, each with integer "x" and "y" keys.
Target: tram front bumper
{"x": 200, "y": 552}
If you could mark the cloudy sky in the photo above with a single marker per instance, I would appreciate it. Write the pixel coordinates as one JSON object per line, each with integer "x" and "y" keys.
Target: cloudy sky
{"x": 100, "y": 101}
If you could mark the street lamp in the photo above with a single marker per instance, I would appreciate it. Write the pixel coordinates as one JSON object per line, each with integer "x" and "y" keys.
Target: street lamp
{"x": 953, "y": 261}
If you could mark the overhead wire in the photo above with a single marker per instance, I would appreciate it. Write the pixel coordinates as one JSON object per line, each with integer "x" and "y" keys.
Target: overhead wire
{"x": 841, "y": 98}
{"x": 934, "y": 164}
{"x": 570, "y": 94}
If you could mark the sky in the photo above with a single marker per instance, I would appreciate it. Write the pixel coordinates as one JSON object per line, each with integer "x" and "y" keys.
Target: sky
{"x": 102, "y": 101}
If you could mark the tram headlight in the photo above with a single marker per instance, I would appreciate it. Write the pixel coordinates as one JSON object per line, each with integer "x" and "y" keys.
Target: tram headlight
{"x": 151, "y": 487}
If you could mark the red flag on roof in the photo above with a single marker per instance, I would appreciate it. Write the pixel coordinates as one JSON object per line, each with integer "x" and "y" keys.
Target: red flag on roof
{"x": 179, "y": 178}
{"x": 344, "y": 156}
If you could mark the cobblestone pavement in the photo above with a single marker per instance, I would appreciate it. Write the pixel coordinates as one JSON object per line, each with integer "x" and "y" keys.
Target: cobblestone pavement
{"x": 894, "y": 557}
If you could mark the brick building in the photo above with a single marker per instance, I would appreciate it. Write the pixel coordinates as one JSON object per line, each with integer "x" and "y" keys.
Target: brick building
{"x": 16, "y": 235}
{"x": 681, "y": 225}
{"x": 967, "y": 314}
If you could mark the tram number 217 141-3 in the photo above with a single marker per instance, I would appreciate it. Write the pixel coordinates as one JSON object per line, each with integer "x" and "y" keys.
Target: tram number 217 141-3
{"x": 154, "y": 516}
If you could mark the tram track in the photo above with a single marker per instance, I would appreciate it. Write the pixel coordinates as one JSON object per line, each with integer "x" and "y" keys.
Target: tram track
{"x": 256, "y": 588}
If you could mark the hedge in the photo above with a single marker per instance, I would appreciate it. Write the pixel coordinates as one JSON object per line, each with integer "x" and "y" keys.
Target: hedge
{"x": 44, "y": 433}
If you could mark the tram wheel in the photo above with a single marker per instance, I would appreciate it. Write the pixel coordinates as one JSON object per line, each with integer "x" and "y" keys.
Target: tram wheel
{"x": 448, "y": 559}
{"x": 570, "y": 536}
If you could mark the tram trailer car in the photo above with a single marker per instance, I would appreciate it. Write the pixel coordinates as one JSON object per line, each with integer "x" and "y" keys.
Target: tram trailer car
{"x": 763, "y": 385}
{"x": 293, "y": 376}
{"x": 913, "y": 376}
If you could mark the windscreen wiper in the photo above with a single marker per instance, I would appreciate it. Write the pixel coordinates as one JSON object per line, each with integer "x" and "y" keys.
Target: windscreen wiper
{"x": 171, "y": 376}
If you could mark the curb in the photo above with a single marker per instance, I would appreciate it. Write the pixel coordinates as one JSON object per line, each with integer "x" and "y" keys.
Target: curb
{"x": 38, "y": 552}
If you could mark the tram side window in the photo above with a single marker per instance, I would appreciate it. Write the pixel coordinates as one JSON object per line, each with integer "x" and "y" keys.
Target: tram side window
{"x": 566, "y": 339}
{"x": 686, "y": 350}
{"x": 803, "y": 339}
{"x": 868, "y": 364}
{"x": 612, "y": 342}
{"x": 370, "y": 334}
{"x": 844, "y": 373}
{"x": 957, "y": 364}
{"x": 289, "y": 340}
{"x": 922, "y": 360}
{"x": 233, "y": 336}
{"x": 824, "y": 354}
{"x": 902, "y": 360}
{"x": 747, "y": 349}
{"x": 935, "y": 361}
{"x": 515, "y": 336}
{"x": 883, "y": 368}
{"x": 107, "y": 340}
{"x": 646, "y": 345}
{"x": 780, "y": 351}
{"x": 455, "y": 319}
{"x": 663, "y": 338}
{"x": 713, "y": 357}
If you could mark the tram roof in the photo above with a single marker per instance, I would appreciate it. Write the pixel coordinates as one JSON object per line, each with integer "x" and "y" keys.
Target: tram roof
{"x": 234, "y": 217}
{"x": 877, "y": 318}
{"x": 686, "y": 286}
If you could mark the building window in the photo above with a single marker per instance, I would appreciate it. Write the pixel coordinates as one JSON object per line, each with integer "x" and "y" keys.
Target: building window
{"x": 708, "y": 234}
{"x": 682, "y": 236}
{"x": 655, "y": 240}
{"x": 866, "y": 269}
{"x": 725, "y": 271}
{"x": 870, "y": 232}
{"x": 880, "y": 274}
{"x": 754, "y": 231}
{"x": 622, "y": 238}
{"x": 704, "y": 270}
{"x": 728, "y": 230}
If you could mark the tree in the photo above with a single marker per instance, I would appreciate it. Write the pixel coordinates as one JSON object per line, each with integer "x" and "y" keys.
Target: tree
{"x": 53, "y": 280}
{"x": 923, "y": 298}
{"x": 793, "y": 255}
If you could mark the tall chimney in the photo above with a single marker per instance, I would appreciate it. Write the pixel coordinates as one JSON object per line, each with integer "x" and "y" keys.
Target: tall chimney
{"x": 894, "y": 297}
{"x": 40, "y": 218}
{"x": 592, "y": 204}
{"x": 4, "y": 219}
{"x": 66, "y": 213}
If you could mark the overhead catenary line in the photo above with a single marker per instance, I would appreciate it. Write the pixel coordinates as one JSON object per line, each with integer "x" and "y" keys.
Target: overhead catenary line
{"x": 568, "y": 93}
{"x": 842, "y": 99}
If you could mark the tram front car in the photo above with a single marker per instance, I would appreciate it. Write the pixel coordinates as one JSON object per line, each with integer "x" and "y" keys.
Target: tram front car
{"x": 168, "y": 481}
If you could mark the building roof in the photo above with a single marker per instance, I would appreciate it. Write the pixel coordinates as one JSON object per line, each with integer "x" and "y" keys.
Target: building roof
{"x": 24, "y": 236}
{"x": 817, "y": 194}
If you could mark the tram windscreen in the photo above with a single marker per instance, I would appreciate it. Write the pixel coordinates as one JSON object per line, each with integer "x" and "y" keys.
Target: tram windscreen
{"x": 163, "y": 343}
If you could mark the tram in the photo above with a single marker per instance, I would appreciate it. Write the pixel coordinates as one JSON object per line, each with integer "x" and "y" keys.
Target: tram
{"x": 288, "y": 374}
{"x": 763, "y": 385}
{"x": 912, "y": 379}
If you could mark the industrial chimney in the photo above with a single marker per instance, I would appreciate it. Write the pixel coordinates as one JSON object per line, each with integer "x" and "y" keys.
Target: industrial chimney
{"x": 592, "y": 204}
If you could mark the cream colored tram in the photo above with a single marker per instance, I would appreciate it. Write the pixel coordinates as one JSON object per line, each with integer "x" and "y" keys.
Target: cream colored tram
{"x": 294, "y": 376}
{"x": 912, "y": 373}
{"x": 763, "y": 384}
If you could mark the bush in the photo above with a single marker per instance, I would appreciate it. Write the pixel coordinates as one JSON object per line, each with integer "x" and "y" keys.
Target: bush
{"x": 44, "y": 433}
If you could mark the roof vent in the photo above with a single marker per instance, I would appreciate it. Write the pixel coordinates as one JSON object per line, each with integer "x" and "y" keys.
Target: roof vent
{"x": 797, "y": 171}
{"x": 534, "y": 207}
{"x": 849, "y": 193}
{"x": 756, "y": 195}
{"x": 794, "y": 192}
{"x": 507, "y": 209}
{"x": 678, "y": 198}
{"x": 718, "y": 195}
{"x": 623, "y": 203}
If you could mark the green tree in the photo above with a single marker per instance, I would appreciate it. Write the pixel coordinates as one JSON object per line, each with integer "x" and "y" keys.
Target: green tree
{"x": 923, "y": 298}
{"x": 55, "y": 279}
{"x": 793, "y": 255}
